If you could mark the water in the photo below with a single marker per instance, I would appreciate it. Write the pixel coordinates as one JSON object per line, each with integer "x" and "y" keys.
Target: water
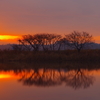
{"x": 50, "y": 84}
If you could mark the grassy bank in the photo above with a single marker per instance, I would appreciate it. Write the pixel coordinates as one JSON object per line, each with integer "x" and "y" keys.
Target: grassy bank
{"x": 50, "y": 56}
{"x": 34, "y": 65}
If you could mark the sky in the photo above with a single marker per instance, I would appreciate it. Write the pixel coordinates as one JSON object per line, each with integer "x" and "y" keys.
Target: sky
{"x": 21, "y": 17}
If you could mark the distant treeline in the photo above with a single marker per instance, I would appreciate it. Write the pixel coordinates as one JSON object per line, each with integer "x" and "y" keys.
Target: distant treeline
{"x": 51, "y": 42}
{"x": 48, "y": 48}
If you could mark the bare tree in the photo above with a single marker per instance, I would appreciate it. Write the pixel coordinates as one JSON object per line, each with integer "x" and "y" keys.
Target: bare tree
{"x": 78, "y": 40}
{"x": 48, "y": 41}
{"x": 56, "y": 42}
{"x": 43, "y": 41}
{"x": 31, "y": 40}
{"x": 62, "y": 43}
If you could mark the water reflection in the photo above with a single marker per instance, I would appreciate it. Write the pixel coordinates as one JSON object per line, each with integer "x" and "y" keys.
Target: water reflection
{"x": 80, "y": 78}
{"x": 45, "y": 77}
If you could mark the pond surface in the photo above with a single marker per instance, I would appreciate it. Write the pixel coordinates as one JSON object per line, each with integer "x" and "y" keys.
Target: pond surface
{"x": 50, "y": 84}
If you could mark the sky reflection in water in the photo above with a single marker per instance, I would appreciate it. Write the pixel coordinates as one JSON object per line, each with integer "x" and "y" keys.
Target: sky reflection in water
{"x": 49, "y": 84}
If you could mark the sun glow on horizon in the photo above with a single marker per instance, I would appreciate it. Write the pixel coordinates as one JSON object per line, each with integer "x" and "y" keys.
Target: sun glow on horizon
{"x": 5, "y": 76}
{"x": 13, "y": 38}
{"x": 8, "y": 37}
{"x": 97, "y": 39}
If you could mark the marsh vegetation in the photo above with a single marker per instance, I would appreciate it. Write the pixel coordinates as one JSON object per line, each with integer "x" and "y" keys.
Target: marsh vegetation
{"x": 50, "y": 56}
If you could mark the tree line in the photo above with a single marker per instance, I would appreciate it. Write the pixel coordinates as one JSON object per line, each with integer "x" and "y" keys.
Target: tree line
{"x": 45, "y": 41}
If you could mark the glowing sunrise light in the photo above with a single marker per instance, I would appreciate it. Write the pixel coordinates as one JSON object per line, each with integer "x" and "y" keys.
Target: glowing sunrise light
{"x": 4, "y": 76}
{"x": 8, "y": 37}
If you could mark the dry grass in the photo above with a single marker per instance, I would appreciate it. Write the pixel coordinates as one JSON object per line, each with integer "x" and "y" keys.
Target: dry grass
{"x": 50, "y": 56}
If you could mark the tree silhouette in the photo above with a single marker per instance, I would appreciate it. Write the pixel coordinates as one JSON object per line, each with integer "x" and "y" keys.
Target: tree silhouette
{"x": 78, "y": 40}
{"x": 30, "y": 40}
{"x": 42, "y": 41}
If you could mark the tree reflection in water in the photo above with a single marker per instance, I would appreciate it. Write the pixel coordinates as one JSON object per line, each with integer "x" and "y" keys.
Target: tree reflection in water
{"x": 80, "y": 78}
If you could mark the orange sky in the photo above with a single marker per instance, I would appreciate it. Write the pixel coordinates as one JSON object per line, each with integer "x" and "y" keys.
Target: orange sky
{"x": 97, "y": 39}
{"x": 49, "y": 16}
{"x": 6, "y": 39}
{"x": 10, "y": 39}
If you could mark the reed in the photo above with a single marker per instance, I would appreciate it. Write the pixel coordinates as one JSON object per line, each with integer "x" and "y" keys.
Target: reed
{"x": 50, "y": 56}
